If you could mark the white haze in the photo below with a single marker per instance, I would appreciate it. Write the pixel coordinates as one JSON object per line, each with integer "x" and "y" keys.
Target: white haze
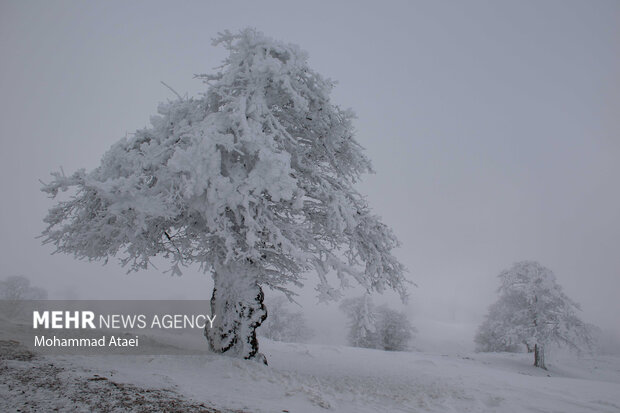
{"x": 493, "y": 128}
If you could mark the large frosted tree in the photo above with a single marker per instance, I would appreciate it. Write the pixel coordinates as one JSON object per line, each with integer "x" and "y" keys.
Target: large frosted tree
{"x": 533, "y": 310}
{"x": 253, "y": 180}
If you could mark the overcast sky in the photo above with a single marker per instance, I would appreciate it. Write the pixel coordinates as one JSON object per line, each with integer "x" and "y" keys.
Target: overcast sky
{"x": 493, "y": 127}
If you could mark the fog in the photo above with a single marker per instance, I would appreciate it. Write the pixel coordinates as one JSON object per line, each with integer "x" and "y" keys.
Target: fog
{"x": 493, "y": 128}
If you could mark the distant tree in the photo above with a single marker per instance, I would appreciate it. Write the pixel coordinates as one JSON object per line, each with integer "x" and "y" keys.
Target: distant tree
{"x": 394, "y": 330}
{"x": 254, "y": 181}
{"x": 18, "y": 287}
{"x": 533, "y": 309}
{"x": 15, "y": 289}
{"x": 376, "y": 327}
{"x": 283, "y": 324}
{"x": 362, "y": 316}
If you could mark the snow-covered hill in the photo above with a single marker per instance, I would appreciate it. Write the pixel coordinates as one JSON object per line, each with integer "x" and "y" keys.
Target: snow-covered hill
{"x": 319, "y": 378}
{"x": 442, "y": 376}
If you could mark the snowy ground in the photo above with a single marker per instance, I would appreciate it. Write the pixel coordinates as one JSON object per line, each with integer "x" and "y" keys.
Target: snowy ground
{"x": 321, "y": 378}
{"x": 30, "y": 383}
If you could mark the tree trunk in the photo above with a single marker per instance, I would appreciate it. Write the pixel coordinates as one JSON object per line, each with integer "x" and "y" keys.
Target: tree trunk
{"x": 237, "y": 304}
{"x": 539, "y": 356}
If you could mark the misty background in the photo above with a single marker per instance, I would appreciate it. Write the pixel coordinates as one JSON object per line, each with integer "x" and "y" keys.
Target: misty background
{"x": 493, "y": 127}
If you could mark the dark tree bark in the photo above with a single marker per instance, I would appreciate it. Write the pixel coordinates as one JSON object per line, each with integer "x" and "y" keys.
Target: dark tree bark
{"x": 539, "y": 356}
{"x": 237, "y": 304}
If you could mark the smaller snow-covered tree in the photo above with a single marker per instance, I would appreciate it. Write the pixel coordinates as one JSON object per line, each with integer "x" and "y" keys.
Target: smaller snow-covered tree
{"x": 376, "y": 327}
{"x": 362, "y": 316}
{"x": 17, "y": 288}
{"x": 284, "y": 324}
{"x": 533, "y": 309}
{"x": 492, "y": 335}
{"x": 394, "y": 331}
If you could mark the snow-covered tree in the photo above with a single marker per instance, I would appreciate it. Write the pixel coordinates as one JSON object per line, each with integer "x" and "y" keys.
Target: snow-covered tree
{"x": 17, "y": 288}
{"x": 394, "y": 330}
{"x": 253, "y": 180}
{"x": 362, "y": 316}
{"x": 283, "y": 324}
{"x": 492, "y": 335}
{"x": 376, "y": 327}
{"x": 532, "y": 309}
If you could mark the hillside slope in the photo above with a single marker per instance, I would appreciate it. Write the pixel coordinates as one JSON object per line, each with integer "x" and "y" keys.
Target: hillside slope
{"x": 321, "y": 378}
